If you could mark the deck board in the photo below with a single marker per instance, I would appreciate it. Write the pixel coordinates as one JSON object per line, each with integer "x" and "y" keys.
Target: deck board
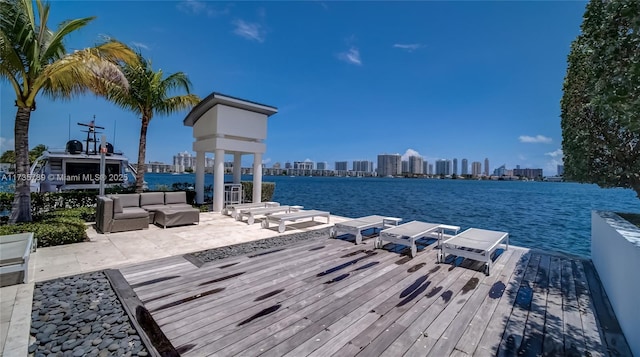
{"x": 330, "y": 297}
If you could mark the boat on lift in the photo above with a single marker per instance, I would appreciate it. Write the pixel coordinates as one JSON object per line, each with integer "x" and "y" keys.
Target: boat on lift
{"x": 77, "y": 167}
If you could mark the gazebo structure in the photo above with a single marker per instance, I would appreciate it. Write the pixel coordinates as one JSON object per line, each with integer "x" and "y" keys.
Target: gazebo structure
{"x": 226, "y": 125}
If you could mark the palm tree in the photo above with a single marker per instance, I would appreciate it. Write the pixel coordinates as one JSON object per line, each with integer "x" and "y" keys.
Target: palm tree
{"x": 148, "y": 94}
{"x": 33, "y": 59}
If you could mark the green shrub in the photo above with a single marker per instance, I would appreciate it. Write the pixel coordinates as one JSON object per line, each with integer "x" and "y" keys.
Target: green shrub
{"x": 268, "y": 189}
{"x": 86, "y": 214}
{"x": 51, "y": 231}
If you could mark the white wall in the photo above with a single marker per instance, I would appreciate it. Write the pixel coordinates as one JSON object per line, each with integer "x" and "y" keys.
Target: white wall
{"x": 615, "y": 252}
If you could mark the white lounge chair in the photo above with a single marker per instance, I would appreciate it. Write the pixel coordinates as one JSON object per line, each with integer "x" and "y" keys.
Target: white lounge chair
{"x": 281, "y": 218}
{"x": 251, "y": 213}
{"x": 356, "y": 226}
{"x": 408, "y": 233}
{"x": 14, "y": 253}
{"x": 234, "y": 210}
{"x": 474, "y": 243}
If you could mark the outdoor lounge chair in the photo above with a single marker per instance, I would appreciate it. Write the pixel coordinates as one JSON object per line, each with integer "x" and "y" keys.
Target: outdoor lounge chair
{"x": 251, "y": 213}
{"x": 356, "y": 226}
{"x": 234, "y": 210}
{"x": 474, "y": 243}
{"x": 281, "y": 218}
{"x": 14, "y": 253}
{"x": 408, "y": 233}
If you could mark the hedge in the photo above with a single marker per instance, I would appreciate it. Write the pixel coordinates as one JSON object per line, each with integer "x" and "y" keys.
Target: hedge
{"x": 54, "y": 228}
{"x": 268, "y": 189}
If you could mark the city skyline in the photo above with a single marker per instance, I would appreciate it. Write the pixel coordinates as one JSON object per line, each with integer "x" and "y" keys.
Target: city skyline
{"x": 341, "y": 82}
{"x": 395, "y": 162}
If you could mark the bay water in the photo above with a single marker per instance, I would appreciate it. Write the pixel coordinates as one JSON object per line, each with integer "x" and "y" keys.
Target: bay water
{"x": 546, "y": 215}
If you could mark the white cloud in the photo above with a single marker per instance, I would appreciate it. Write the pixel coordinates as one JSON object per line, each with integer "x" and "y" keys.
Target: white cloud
{"x": 409, "y": 152}
{"x": 194, "y": 7}
{"x": 140, "y": 45}
{"x": 557, "y": 153}
{"x": 351, "y": 56}
{"x": 308, "y": 160}
{"x": 6, "y": 144}
{"x": 409, "y": 47}
{"x": 535, "y": 139}
{"x": 266, "y": 161}
{"x": 551, "y": 167}
{"x": 250, "y": 31}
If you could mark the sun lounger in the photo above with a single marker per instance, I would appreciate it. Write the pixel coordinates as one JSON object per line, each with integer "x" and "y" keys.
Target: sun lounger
{"x": 474, "y": 243}
{"x": 281, "y": 218}
{"x": 356, "y": 226}
{"x": 251, "y": 213}
{"x": 408, "y": 233}
{"x": 14, "y": 253}
{"x": 233, "y": 210}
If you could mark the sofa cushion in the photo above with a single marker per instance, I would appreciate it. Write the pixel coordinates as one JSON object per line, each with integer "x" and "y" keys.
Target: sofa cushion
{"x": 151, "y": 198}
{"x": 129, "y": 199}
{"x": 130, "y": 213}
{"x": 179, "y": 205}
{"x": 154, "y": 207}
{"x": 117, "y": 205}
{"x": 175, "y": 197}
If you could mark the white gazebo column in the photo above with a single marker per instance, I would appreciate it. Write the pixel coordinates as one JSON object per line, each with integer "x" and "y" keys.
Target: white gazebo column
{"x": 237, "y": 167}
{"x": 200, "y": 177}
{"x": 257, "y": 177}
{"x": 218, "y": 180}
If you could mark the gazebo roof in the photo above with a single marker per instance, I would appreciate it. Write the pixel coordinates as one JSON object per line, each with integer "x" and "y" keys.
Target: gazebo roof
{"x": 215, "y": 98}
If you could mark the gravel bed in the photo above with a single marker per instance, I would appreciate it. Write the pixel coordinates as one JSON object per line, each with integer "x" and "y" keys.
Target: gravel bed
{"x": 262, "y": 244}
{"x": 81, "y": 315}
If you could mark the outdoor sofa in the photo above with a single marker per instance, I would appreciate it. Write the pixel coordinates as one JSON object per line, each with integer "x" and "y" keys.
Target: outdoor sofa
{"x": 132, "y": 211}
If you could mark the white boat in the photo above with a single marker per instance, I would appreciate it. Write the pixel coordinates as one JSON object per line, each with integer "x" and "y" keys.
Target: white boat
{"x": 77, "y": 167}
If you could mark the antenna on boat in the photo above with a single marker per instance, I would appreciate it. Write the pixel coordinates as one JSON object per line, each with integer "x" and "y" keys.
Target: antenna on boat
{"x": 92, "y": 130}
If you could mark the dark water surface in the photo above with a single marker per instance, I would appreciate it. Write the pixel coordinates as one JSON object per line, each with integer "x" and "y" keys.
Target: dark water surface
{"x": 546, "y": 215}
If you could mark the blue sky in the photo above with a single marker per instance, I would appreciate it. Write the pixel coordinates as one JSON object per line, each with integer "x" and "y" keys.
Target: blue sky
{"x": 351, "y": 80}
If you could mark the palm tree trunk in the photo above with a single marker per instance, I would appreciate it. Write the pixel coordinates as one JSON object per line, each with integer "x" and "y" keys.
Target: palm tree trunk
{"x": 21, "y": 208}
{"x": 142, "y": 151}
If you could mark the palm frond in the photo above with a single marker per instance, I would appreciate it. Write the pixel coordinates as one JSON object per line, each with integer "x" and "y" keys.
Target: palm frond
{"x": 177, "y": 103}
{"x": 93, "y": 69}
{"x": 53, "y": 48}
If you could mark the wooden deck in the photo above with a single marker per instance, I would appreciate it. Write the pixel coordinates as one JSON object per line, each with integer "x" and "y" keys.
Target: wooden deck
{"x": 335, "y": 298}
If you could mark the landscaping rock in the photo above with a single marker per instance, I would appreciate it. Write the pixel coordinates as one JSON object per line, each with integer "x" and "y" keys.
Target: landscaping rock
{"x": 80, "y": 315}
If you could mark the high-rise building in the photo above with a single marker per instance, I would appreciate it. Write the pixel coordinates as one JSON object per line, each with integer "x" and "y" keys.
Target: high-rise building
{"x": 363, "y": 166}
{"x": 464, "y": 169}
{"x": 425, "y": 167}
{"x": 405, "y": 166}
{"x": 528, "y": 173}
{"x": 183, "y": 161}
{"x": 500, "y": 171}
{"x": 476, "y": 168}
{"x": 430, "y": 172}
{"x": 415, "y": 165}
{"x": 443, "y": 167}
{"x": 560, "y": 170}
{"x": 287, "y": 165}
{"x": 341, "y": 166}
{"x": 389, "y": 165}
{"x": 486, "y": 166}
{"x": 276, "y": 166}
{"x": 303, "y": 165}
{"x": 455, "y": 167}
{"x": 321, "y": 165}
